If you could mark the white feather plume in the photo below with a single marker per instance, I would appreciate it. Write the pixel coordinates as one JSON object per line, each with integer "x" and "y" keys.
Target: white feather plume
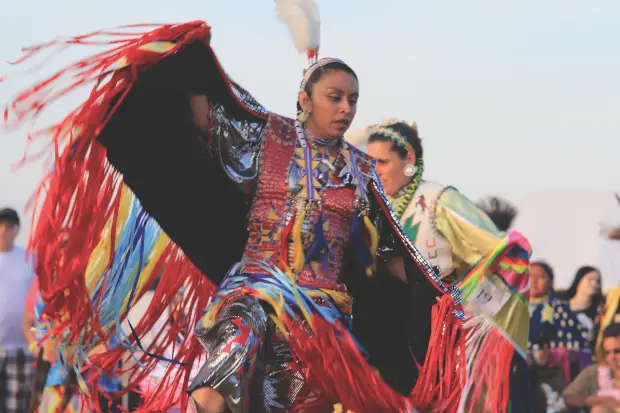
{"x": 303, "y": 21}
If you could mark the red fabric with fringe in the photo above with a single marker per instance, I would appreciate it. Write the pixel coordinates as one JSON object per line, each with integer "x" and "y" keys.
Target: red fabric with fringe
{"x": 359, "y": 388}
{"x": 498, "y": 353}
{"x": 81, "y": 195}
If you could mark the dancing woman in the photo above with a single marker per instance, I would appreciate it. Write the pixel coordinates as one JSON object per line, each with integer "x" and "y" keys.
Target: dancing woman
{"x": 172, "y": 170}
{"x": 489, "y": 266}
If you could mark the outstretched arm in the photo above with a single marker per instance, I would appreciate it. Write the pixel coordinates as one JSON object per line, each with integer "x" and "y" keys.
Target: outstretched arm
{"x": 138, "y": 187}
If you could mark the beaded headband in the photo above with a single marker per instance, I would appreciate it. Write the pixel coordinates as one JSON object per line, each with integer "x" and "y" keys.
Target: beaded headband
{"x": 308, "y": 72}
{"x": 384, "y": 128}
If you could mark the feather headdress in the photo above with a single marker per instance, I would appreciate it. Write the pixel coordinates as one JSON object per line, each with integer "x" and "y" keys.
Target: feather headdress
{"x": 304, "y": 24}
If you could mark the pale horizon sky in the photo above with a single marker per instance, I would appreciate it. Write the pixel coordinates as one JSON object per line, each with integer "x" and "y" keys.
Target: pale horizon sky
{"x": 510, "y": 99}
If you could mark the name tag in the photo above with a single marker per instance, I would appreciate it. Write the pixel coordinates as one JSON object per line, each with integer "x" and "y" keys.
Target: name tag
{"x": 488, "y": 297}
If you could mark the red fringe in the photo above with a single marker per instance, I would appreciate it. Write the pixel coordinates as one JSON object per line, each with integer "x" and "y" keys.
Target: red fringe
{"x": 493, "y": 361}
{"x": 81, "y": 195}
{"x": 439, "y": 387}
{"x": 358, "y": 387}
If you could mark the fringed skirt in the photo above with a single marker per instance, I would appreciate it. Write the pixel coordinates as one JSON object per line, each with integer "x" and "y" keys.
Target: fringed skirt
{"x": 246, "y": 332}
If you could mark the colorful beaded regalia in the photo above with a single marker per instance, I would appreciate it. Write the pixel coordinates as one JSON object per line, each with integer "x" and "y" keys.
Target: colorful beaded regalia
{"x": 142, "y": 195}
{"x": 490, "y": 268}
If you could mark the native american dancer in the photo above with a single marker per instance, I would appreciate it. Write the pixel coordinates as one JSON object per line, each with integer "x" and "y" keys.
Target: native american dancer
{"x": 171, "y": 170}
{"x": 489, "y": 266}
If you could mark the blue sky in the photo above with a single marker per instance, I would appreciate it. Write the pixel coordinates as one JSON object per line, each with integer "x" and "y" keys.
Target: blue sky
{"x": 510, "y": 98}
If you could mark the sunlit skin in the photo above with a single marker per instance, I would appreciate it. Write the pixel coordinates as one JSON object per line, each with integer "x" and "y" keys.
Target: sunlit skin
{"x": 332, "y": 104}
{"x": 540, "y": 282}
{"x": 390, "y": 166}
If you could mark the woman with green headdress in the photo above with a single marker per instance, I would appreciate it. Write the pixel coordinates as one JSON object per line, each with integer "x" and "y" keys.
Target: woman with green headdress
{"x": 489, "y": 266}
{"x": 451, "y": 231}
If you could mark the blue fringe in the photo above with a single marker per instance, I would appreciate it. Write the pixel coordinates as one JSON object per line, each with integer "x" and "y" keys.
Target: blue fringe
{"x": 362, "y": 251}
{"x": 319, "y": 245}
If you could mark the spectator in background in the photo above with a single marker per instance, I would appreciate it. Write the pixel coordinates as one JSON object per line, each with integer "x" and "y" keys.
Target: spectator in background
{"x": 541, "y": 309}
{"x": 585, "y": 298}
{"x": 598, "y": 387}
{"x": 560, "y": 346}
{"x": 541, "y": 335}
{"x": 16, "y": 275}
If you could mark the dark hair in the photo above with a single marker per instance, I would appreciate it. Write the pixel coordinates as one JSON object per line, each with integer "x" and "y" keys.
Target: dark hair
{"x": 546, "y": 268}
{"x": 595, "y": 302}
{"x": 501, "y": 212}
{"x": 318, "y": 74}
{"x": 572, "y": 290}
{"x": 408, "y": 132}
{"x": 612, "y": 330}
{"x": 9, "y": 215}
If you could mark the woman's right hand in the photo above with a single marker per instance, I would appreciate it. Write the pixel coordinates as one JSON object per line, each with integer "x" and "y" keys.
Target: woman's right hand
{"x": 201, "y": 109}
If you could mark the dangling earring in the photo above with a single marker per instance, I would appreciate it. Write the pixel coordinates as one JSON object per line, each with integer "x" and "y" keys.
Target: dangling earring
{"x": 410, "y": 170}
{"x": 303, "y": 116}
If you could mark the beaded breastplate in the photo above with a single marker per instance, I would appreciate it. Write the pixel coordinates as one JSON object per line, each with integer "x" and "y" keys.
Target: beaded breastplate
{"x": 305, "y": 203}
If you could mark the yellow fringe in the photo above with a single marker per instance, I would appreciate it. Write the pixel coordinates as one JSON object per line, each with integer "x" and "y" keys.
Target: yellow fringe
{"x": 374, "y": 244}
{"x": 338, "y": 408}
{"x": 299, "y": 258}
{"x": 281, "y": 329}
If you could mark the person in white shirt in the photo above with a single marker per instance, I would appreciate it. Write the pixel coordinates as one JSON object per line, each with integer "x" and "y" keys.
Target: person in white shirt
{"x": 16, "y": 275}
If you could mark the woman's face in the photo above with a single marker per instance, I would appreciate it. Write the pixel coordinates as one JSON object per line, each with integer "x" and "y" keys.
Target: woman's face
{"x": 590, "y": 284}
{"x": 332, "y": 104}
{"x": 611, "y": 349}
{"x": 390, "y": 166}
{"x": 540, "y": 282}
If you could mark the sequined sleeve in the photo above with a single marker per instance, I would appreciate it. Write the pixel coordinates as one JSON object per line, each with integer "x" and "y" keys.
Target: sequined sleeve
{"x": 237, "y": 144}
{"x": 470, "y": 232}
